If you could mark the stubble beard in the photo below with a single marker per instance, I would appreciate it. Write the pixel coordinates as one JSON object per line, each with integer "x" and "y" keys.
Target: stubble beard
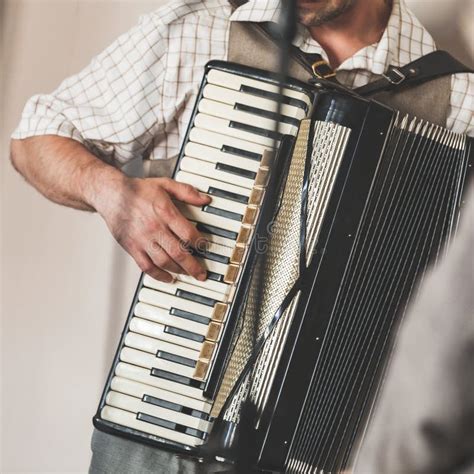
{"x": 334, "y": 9}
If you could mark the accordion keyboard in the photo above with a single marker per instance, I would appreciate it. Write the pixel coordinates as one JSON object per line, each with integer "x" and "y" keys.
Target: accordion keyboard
{"x": 172, "y": 334}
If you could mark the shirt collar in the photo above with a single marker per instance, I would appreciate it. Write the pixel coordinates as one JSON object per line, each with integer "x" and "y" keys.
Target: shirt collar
{"x": 402, "y": 28}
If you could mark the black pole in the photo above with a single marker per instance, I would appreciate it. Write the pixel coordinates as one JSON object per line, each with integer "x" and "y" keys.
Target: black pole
{"x": 286, "y": 31}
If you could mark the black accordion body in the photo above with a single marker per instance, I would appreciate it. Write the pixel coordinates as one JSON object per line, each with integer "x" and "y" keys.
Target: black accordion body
{"x": 320, "y": 234}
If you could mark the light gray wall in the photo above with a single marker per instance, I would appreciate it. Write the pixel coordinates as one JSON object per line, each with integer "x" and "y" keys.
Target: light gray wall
{"x": 450, "y": 23}
{"x": 65, "y": 285}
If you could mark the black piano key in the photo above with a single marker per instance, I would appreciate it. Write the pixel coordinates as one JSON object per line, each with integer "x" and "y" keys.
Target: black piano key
{"x": 239, "y": 152}
{"x": 274, "y": 96}
{"x": 176, "y": 358}
{"x": 175, "y": 407}
{"x": 187, "y": 295}
{"x": 197, "y": 318}
{"x": 164, "y": 374}
{"x": 182, "y": 333}
{"x": 228, "y": 195}
{"x": 267, "y": 114}
{"x": 215, "y": 257}
{"x": 215, "y": 276}
{"x": 210, "y": 229}
{"x": 170, "y": 425}
{"x": 263, "y": 132}
{"x": 222, "y": 213}
{"x": 235, "y": 170}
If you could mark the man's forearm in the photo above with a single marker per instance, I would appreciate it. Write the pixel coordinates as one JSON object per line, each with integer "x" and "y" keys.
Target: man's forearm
{"x": 140, "y": 213}
{"x": 64, "y": 171}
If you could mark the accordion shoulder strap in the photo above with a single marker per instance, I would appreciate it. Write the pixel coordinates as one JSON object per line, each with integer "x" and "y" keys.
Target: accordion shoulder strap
{"x": 412, "y": 89}
{"x": 245, "y": 36}
{"x": 431, "y": 66}
{"x": 304, "y": 66}
{"x": 253, "y": 46}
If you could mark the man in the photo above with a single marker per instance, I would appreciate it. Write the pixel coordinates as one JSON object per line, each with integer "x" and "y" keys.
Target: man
{"x": 134, "y": 101}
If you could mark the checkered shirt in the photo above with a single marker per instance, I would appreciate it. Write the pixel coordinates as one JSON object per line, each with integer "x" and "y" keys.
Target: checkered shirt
{"x": 134, "y": 100}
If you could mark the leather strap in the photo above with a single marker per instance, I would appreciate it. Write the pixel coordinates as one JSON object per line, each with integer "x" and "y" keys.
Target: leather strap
{"x": 314, "y": 63}
{"x": 428, "y": 67}
{"x": 431, "y": 66}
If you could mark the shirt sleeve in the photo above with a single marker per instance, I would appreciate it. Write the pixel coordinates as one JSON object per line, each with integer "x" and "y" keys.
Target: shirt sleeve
{"x": 461, "y": 111}
{"x": 113, "y": 105}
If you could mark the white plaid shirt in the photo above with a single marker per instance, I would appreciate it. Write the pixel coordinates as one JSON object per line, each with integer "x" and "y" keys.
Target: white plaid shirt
{"x": 135, "y": 98}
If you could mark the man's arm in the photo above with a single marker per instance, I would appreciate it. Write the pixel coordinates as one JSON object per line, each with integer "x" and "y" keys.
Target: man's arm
{"x": 139, "y": 212}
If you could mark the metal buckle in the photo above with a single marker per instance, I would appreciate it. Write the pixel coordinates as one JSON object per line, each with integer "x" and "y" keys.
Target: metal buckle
{"x": 315, "y": 65}
{"x": 399, "y": 76}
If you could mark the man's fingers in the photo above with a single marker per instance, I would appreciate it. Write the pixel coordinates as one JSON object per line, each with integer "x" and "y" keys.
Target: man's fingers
{"x": 185, "y": 192}
{"x": 182, "y": 256}
{"x": 147, "y": 266}
{"x": 183, "y": 229}
{"x": 160, "y": 256}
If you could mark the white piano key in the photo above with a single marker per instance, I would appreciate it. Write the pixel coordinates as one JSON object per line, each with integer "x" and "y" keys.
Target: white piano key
{"x": 216, "y": 267}
{"x": 135, "y": 405}
{"x": 137, "y": 389}
{"x": 205, "y": 168}
{"x": 144, "y": 343}
{"x": 126, "y": 418}
{"x": 218, "y": 125}
{"x": 232, "y": 97}
{"x": 212, "y": 285}
{"x": 139, "y": 374}
{"x": 197, "y": 214}
{"x": 203, "y": 183}
{"x": 217, "y": 140}
{"x": 219, "y": 250}
{"x": 148, "y": 344}
{"x": 213, "y": 155}
{"x": 164, "y": 300}
{"x": 157, "y": 331}
{"x": 227, "y": 112}
{"x": 172, "y": 288}
{"x": 234, "y": 81}
{"x": 218, "y": 240}
{"x": 162, "y": 316}
{"x": 149, "y": 361}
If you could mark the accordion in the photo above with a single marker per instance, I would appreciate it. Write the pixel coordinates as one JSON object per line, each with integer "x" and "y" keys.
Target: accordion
{"x": 327, "y": 210}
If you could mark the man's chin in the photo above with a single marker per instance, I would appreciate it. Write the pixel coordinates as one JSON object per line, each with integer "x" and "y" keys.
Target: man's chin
{"x": 308, "y": 5}
{"x": 319, "y": 12}
{"x": 308, "y": 18}
{"x": 307, "y": 2}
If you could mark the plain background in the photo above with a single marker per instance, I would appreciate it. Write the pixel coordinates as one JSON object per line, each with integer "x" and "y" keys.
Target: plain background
{"x": 65, "y": 284}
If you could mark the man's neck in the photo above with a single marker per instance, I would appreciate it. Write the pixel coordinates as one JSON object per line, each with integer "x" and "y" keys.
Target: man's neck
{"x": 362, "y": 25}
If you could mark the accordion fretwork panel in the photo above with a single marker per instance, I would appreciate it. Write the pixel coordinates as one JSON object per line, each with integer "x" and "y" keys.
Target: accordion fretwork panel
{"x": 279, "y": 273}
{"x": 282, "y": 259}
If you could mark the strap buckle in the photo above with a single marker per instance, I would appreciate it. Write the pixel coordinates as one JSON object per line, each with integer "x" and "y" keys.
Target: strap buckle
{"x": 326, "y": 73}
{"x": 394, "y": 76}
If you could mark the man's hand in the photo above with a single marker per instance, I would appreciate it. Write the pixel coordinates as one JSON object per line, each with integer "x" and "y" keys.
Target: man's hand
{"x": 144, "y": 220}
{"x": 139, "y": 212}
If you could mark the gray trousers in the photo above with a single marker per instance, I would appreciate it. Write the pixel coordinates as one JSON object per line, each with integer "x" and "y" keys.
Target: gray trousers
{"x": 116, "y": 455}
